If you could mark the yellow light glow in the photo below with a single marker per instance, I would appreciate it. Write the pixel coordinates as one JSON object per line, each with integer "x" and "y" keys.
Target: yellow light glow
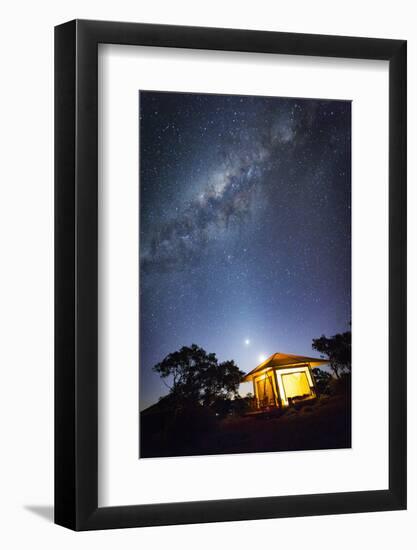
{"x": 262, "y": 358}
{"x": 296, "y": 384}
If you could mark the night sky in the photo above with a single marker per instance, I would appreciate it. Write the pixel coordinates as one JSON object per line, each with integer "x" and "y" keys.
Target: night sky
{"x": 245, "y": 226}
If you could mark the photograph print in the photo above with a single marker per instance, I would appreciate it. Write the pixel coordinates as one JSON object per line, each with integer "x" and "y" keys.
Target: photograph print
{"x": 245, "y": 274}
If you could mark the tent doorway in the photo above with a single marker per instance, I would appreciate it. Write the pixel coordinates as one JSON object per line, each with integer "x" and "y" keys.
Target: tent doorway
{"x": 265, "y": 391}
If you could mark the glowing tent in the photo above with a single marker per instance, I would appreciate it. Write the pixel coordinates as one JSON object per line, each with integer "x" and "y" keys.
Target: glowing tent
{"x": 283, "y": 379}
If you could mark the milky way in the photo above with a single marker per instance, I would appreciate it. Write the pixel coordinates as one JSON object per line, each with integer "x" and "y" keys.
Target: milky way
{"x": 244, "y": 225}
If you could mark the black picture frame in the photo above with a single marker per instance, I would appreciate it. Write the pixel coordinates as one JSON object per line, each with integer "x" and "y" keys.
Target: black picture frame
{"x": 76, "y": 272}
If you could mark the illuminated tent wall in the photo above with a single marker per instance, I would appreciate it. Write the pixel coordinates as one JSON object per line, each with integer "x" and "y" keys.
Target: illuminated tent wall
{"x": 283, "y": 378}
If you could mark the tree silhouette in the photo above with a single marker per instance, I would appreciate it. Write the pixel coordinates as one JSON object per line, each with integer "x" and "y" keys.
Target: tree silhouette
{"x": 192, "y": 374}
{"x": 338, "y": 350}
{"x": 322, "y": 379}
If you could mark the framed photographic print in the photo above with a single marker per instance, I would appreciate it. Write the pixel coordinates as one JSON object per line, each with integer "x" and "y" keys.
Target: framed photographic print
{"x": 230, "y": 275}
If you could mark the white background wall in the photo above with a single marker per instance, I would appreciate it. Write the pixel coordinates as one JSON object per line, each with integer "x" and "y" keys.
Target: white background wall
{"x": 26, "y": 273}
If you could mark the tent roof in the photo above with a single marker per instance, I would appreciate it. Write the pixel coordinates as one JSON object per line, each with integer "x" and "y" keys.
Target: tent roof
{"x": 283, "y": 360}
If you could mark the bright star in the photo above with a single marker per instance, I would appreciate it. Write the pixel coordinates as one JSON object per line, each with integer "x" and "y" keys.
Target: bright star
{"x": 247, "y": 342}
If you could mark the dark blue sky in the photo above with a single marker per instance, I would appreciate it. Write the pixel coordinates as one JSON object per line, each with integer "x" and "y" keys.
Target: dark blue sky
{"x": 245, "y": 226}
